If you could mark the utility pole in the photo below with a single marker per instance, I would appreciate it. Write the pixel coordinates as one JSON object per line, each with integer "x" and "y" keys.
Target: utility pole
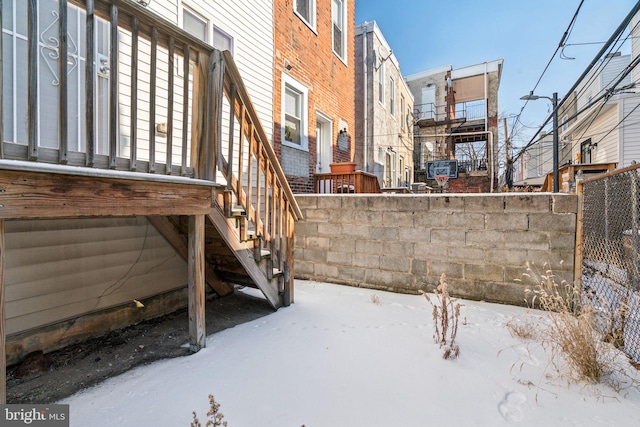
{"x": 508, "y": 174}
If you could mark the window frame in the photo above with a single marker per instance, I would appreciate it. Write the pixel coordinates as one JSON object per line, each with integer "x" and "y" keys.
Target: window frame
{"x": 190, "y": 10}
{"x": 311, "y": 22}
{"x": 381, "y": 83}
{"x": 402, "y": 114}
{"x": 292, "y": 84}
{"x": 392, "y": 96}
{"x": 343, "y": 15}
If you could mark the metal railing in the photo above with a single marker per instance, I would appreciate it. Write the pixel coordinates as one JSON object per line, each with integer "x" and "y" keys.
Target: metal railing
{"x": 347, "y": 183}
{"x": 608, "y": 244}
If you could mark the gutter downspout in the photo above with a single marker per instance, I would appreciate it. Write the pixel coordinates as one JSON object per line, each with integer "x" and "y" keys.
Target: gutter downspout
{"x": 365, "y": 56}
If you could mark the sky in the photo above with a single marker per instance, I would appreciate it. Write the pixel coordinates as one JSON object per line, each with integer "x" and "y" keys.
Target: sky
{"x": 349, "y": 357}
{"x": 426, "y": 34}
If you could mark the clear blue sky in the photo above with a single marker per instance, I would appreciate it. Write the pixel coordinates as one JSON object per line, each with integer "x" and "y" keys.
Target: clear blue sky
{"x": 426, "y": 34}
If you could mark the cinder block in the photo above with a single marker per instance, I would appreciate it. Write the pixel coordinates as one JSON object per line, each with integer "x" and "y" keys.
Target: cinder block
{"x": 355, "y": 202}
{"x": 554, "y": 261}
{"x": 528, "y": 239}
{"x": 387, "y": 203}
{"x": 417, "y": 203}
{"x": 331, "y": 229}
{"x": 303, "y": 268}
{"x": 329, "y": 202}
{"x": 484, "y": 203}
{"x": 339, "y": 258}
{"x": 487, "y": 238}
{"x": 527, "y": 202}
{"x": 565, "y": 203}
{"x": 305, "y": 228}
{"x": 411, "y": 235}
{"x": 446, "y": 203}
{"x": 307, "y": 200}
{"x": 366, "y": 246}
{"x": 395, "y": 263}
{"x": 395, "y": 219}
{"x": 351, "y": 274}
{"x": 389, "y": 279}
{"x": 509, "y": 257}
{"x": 430, "y": 251}
{"x": 430, "y": 220}
{"x": 366, "y": 261}
{"x": 564, "y": 223}
{"x": 418, "y": 267}
{"x": 343, "y": 245}
{"x": 317, "y": 215}
{"x": 448, "y": 237}
{"x": 466, "y": 253}
{"x": 355, "y": 231}
{"x": 401, "y": 248}
{"x": 383, "y": 233}
{"x": 317, "y": 242}
{"x": 465, "y": 221}
{"x": 450, "y": 269}
{"x": 484, "y": 272}
{"x": 562, "y": 241}
{"x": 506, "y": 221}
{"x": 342, "y": 216}
{"x": 314, "y": 255}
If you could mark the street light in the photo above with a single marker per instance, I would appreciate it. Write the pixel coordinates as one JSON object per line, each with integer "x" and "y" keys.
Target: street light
{"x": 554, "y": 101}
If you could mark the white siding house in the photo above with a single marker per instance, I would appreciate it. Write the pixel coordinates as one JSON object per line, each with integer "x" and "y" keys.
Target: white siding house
{"x": 68, "y": 268}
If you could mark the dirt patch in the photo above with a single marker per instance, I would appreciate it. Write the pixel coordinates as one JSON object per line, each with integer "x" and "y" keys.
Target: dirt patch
{"x": 53, "y": 376}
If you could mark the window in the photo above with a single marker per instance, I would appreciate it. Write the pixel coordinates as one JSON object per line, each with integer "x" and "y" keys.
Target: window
{"x": 222, "y": 40}
{"x": 381, "y": 82}
{"x": 565, "y": 123}
{"x": 294, "y": 113}
{"x": 585, "y": 151}
{"x": 338, "y": 14}
{"x": 306, "y": 10}
{"x": 402, "y": 112}
{"x": 194, "y": 24}
{"x": 392, "y": 96}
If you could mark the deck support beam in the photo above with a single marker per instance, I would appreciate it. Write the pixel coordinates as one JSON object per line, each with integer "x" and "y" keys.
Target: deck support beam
{"x": 196, "y": 280}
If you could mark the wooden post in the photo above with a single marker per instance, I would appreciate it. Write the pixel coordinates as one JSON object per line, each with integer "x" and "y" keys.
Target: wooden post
{"x": 113, "y": 88}
{"x": 133, "y": 143}
{"x": 3, "y": 350}
{"x": 63, "y": 87}
{"x": 32, "y": 73}
{"x": 577, "y": 262}
{"x": 195, "y": 266}
{"x": 89, "y": 85}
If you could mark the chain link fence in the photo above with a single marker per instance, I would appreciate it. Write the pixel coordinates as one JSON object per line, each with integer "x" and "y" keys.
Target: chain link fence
{"x": 610, "y": 247}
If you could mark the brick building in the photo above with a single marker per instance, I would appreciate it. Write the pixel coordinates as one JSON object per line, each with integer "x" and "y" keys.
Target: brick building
{"x": 313, "y": 105}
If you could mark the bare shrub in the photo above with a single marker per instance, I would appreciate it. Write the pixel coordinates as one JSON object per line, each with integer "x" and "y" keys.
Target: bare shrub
{"x": 375, "y": 299}
{"x": 570, "y": 332}
{"x": 522, "y": 330}
{"x": 215, "y": 417}
{"x": 446, "y": 313}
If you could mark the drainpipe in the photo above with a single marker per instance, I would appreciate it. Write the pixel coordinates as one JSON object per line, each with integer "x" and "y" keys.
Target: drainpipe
{"x": 366, "y": 111}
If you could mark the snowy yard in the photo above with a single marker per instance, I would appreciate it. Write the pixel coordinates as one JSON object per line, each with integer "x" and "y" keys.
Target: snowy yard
{"x": 336, "y": 358}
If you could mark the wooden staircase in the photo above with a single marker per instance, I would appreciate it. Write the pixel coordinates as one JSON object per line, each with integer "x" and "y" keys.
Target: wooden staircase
{"x": 249, "y": 229}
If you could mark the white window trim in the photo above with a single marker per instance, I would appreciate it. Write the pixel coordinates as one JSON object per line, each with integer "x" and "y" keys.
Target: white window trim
{"x": 392, "y": 96}
{"x": 381, "y": 77}
{"x": 194, "y": 11}
{"x": 312, "y": 7}
{"x": 304, "y": 126}
{"x": 345, "y": 19}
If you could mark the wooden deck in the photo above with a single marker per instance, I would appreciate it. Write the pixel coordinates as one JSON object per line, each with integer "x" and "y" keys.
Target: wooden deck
{"x": 212, "y": 186}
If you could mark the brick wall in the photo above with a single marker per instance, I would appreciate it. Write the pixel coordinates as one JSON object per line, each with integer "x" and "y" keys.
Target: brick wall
{"x": 404, "y": 243}
{"x": 329, "y": 80}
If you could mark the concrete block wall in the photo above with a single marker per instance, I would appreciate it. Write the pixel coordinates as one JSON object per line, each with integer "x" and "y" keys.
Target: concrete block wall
{"x": 403, "y": 243}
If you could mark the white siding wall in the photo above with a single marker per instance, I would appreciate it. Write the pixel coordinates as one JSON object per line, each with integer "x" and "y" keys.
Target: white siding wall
{"x": 630, "y": 131}
{"x": 607, "y": 149}
{"x": 59, "y": 269}
{"x": 252, "y": 30}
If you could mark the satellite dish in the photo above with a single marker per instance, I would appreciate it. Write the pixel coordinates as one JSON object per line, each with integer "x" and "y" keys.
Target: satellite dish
{"x": 382, "y": 52}
{"x": 429, "y": 145}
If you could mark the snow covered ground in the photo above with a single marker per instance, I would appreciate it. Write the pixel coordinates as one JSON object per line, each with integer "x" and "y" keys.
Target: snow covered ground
{"x": 336, "y": 358}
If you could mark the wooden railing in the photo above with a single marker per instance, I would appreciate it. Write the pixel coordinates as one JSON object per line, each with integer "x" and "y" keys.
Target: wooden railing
{"x": 139, "y": 131}
{"x": 355, "y": 182}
